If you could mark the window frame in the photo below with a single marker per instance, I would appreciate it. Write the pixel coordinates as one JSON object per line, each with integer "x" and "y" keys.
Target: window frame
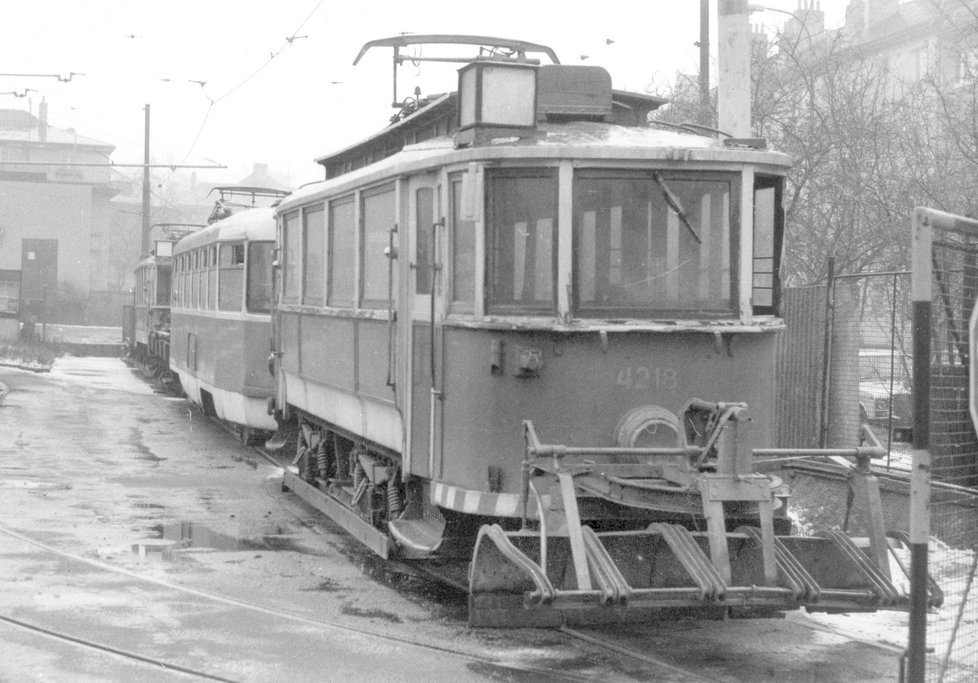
{"x": 493, "y": 307}
{"x": 346, "y": 302}
{"x": 735, "y": 180}
{"x": 291, "y": 264}
{"x": 307, "y": 298}
{"x": 365, "y": 303}
{"x": 223, "y": 280}
{"x": 456, "y": 303}
{"x": 251, "y": 248}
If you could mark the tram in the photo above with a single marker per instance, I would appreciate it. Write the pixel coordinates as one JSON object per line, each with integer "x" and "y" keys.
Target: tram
{"x": 523, "y": 333}
{"x": 221, "y": 311}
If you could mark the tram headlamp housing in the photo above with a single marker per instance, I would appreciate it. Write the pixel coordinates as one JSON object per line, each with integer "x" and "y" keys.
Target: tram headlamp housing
{"x": 497, "y": 95}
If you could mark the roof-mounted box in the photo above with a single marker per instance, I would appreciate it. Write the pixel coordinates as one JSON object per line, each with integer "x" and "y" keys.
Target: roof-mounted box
{"x": 581, "y": 93}
{"x": 497, "y": 95}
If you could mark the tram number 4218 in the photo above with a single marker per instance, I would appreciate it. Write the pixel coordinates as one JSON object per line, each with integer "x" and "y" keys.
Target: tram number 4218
{"x": 641, "y": 377}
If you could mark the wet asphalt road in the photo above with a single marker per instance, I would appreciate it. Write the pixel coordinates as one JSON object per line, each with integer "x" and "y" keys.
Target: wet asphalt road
{"x": 129, "y": 522}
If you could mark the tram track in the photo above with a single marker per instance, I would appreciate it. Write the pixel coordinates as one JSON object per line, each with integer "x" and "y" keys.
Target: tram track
{"x": 577, "y": 635}
{"x": 153, "y": 662}
{"x": 435, "y": 648}
{"x": 658, "y": 664}
{"x": 493, "y": 663}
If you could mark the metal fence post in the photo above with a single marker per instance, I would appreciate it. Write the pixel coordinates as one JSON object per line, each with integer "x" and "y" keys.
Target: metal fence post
{"x": 920, "y": 473}
{"x": 823, "y": 426}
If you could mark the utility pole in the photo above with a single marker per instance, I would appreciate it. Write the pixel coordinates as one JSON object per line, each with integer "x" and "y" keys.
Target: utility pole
{"x": 705, "y": 117}
{"x": 144, "y": 242}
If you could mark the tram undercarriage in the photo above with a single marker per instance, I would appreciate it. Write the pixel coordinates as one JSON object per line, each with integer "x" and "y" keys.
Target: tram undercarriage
{"x": 619, "y": 534}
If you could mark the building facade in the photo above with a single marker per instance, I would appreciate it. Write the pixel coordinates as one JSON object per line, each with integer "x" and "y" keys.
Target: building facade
{"x": 55, "y": 190}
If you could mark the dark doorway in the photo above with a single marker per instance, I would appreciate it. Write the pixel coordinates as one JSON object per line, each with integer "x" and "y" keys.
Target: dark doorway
{"x": 39, "y": 279}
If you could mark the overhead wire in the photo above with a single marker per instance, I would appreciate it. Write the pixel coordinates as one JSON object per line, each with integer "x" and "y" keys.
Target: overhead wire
{"x": 285, "y": 45}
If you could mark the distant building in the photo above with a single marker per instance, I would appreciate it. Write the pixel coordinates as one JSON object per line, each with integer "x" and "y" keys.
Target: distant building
{"x": 70, "y": 224}
{"x": 910, "y": 40}
{"x": 55, "y": 190}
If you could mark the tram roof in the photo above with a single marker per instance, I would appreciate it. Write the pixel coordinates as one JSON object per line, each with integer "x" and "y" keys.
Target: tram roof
{"x": 247, "y": 224}
{"x": 579, "y": 140}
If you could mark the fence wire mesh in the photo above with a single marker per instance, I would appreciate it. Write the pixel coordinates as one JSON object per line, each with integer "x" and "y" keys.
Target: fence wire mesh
{"x": 845, "y": 363}
{"x": 952, "y": 630}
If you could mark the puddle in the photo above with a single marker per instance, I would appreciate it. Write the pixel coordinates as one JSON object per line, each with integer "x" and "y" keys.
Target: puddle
{"x": 181, "y": 536}
{"x": 144, "y": 453}
{"x": 326, "y": 586}
{"x": 154, "y": 549}
{"x": 371, "y": 614}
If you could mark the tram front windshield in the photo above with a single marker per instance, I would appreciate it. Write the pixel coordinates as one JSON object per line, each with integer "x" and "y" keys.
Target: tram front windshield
{"x": 651, "y": 244}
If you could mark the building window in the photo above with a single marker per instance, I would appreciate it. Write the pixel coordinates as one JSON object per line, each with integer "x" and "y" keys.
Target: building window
{"x": 9, "y": 293}
{"x": 968, "y": 65}
{"x": 341, "y": 290}
{"x": 378, "y": 220}
{"x": 522, "y": 228}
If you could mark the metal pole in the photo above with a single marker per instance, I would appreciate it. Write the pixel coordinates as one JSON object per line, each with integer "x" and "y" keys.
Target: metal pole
{"x": 889, "y": 422}
{"x": 823, "y": 427}
{"x": 705, "y": 117}
{"x": 144, "y": 240}
{"x": 922, "y": 289}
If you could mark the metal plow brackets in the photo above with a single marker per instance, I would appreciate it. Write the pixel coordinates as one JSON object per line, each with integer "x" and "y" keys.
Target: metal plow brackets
{"x": 520, "y": 579}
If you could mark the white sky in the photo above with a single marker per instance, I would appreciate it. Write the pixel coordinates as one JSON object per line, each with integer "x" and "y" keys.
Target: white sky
{"x": 308, "y": 100}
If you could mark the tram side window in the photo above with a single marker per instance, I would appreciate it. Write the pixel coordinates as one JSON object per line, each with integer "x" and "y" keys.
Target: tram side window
{"x": 314, "y": 231}
{"x": 423, "y": 258}
{"x": 185, "y": 280}
{"x": 201, "y": 279}
{"x": 163, "y": 286}
{"x": 212, "y": 278}
{"x": 651, "y": 243}
{"x": 259, "y": 275}
{"x": 768, "y": 222}
{"x": 194, "y": 280}
{"x": 231, "y": 266}
{"x": 341, "y": 288}
{"x": 522, "y": 240}
{"x": 175, "y": 283}
{"x": 290, "y": 258}
{"x": 378, "y": 219}
{"x": 463, "y": 254}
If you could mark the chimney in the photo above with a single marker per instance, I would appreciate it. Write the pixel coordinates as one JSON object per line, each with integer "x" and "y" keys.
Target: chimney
{"x": 733, "y": 89}
{"x": 42, "y": 120}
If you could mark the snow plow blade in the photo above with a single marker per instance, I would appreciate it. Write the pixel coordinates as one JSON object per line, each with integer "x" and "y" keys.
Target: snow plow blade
{"x": 710, "y": 550}
{"x": 644, "y": 575}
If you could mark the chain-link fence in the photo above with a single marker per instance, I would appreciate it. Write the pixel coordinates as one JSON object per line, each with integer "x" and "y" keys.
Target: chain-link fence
{"x": 944, "y": 514}
{"x": 844, "y": 363}
{"x": 847, "y": 361}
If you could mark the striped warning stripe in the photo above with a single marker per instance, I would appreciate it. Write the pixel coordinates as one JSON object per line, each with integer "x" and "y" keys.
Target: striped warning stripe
{"x": 482, "y": 502}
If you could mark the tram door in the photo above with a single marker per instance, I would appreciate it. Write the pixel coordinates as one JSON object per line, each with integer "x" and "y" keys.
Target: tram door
{"x": 425, "y": 244}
